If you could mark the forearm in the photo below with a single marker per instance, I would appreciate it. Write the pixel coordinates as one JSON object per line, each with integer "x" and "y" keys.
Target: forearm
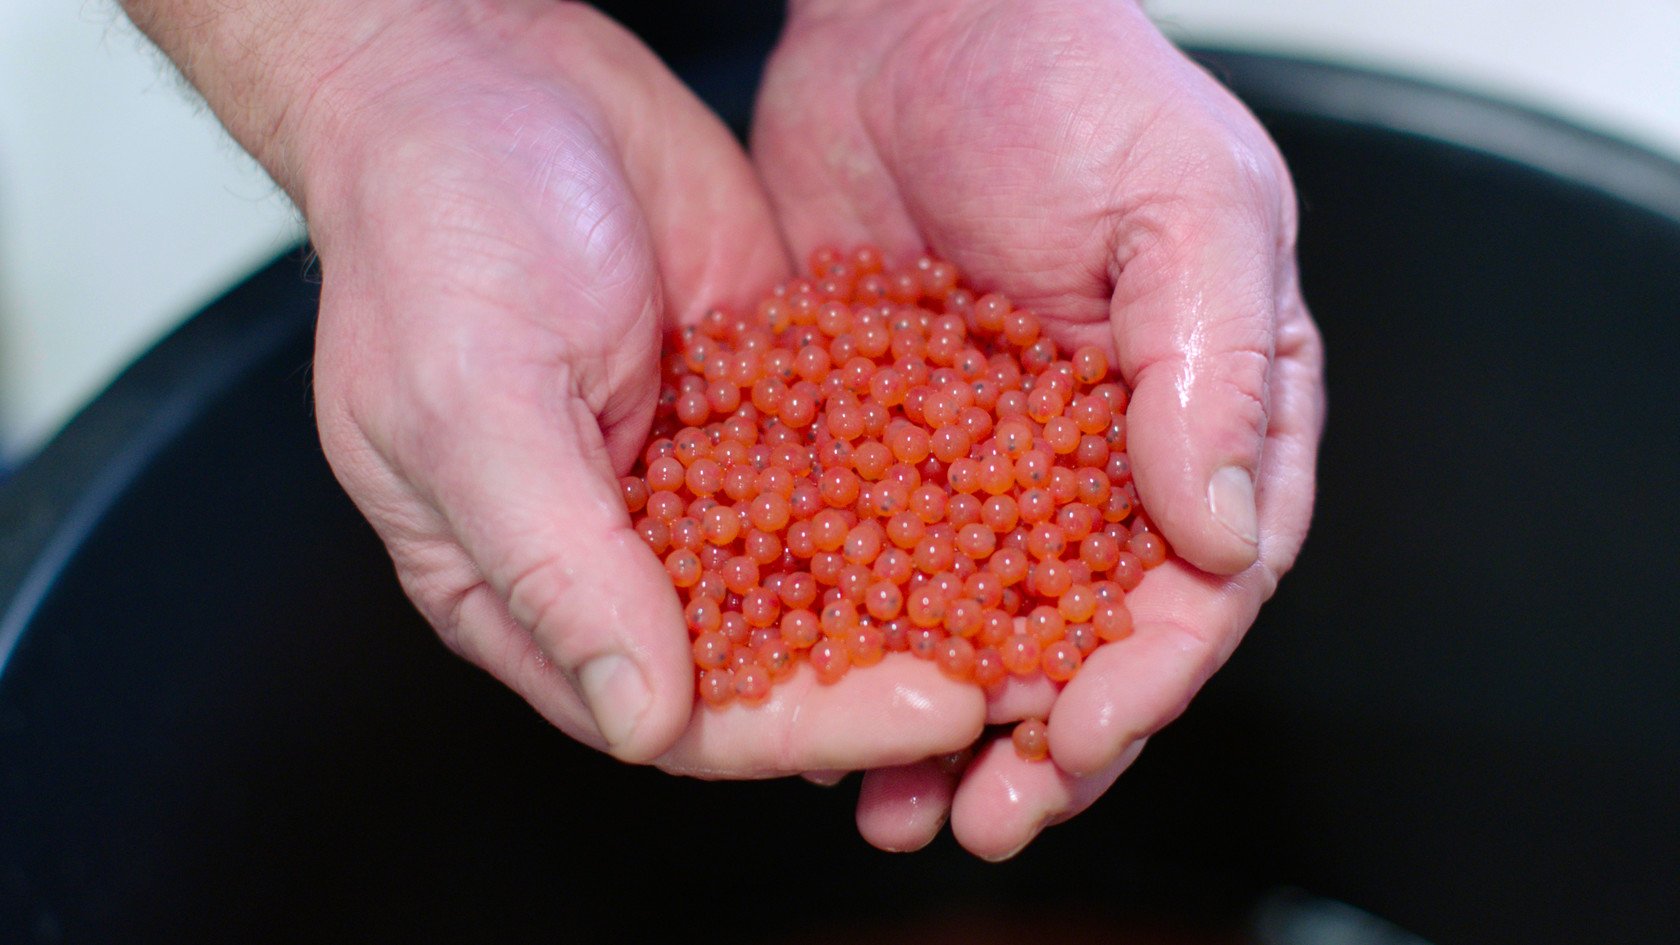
{"x": 284, "y": 75}
{"x": 867, "y": 9}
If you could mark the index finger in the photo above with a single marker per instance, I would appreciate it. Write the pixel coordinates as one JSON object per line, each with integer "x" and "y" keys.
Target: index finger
{"x": 899, "y": 711}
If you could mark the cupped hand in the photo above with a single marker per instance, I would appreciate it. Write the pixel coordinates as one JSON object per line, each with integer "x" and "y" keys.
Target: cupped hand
{"x": 510, "y": 210}
{"x": 1065, "y": 154}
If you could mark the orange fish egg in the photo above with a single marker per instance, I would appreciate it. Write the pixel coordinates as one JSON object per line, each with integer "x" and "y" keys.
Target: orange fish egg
{"x": 882, "y": 460}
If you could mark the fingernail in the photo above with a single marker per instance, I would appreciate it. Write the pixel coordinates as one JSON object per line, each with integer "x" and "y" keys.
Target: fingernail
{"x": 1231, "y": 500}
{"x": 1015, "y": 852}
{"x": 617, "y": 695}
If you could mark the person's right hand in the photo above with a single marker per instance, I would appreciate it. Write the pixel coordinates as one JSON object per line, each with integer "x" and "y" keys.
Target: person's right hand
{"x": 1065, "y": 154}
{"x": 509, "y": 210}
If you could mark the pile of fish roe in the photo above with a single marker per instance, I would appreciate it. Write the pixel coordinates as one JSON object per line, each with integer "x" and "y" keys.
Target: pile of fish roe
{"x": 878, "y": 461}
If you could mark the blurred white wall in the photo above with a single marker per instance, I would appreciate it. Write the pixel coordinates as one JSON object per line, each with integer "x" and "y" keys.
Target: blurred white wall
{"x": 1611, "y": 65}
{"x": 124, "y": 207}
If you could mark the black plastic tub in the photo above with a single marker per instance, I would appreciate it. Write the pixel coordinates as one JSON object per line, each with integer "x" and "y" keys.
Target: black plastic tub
{"x": 220, "y": 720}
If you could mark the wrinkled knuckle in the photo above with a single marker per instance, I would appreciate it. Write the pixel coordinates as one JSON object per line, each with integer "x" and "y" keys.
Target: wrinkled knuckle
{"x": 1242, "y": 395}
{"x": 1243, "y": 372}
{"x": 1189, "y": 635}
{"x": 537, "y": 600}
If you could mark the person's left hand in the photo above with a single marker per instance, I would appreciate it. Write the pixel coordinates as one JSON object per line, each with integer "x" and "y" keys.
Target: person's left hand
{"x": 1067, "y": 155}
{"x": 509, "y": 211}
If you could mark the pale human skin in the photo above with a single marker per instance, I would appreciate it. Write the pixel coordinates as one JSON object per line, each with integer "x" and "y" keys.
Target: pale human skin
{"x": 511, "y": 198}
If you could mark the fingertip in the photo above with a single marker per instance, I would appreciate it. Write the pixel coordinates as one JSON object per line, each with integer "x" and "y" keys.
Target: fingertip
{"x": 1109, "y": 706}
{"x": 897, "y": 713}
{"x": 1185, "y": 626}
{"x": 617, "y": 695}
{"x": 902, "y": 809}
{"x": 1086, "y": 757}
{"x": 1231, "y": 507}
{"x": 1003, "y": 802}
{"x": 1213, "y": 528}
{"x": 1079, "y": 750}
{"x": 1193, "y": 465}
{"x": 622, "y": 646}
{"x": 1098, "y": 715}
{"x": 637, "y": 725}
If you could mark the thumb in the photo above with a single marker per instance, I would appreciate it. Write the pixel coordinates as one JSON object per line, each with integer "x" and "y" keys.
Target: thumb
{"x": 1195, "y": 316}
{"x": 532, "y": 498}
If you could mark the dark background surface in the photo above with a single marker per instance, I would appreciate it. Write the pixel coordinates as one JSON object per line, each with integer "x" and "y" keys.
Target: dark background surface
{"x": 220, "y": 721}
